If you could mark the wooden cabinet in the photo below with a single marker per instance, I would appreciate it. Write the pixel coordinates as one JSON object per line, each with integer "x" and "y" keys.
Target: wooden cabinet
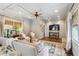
{"x": 12, "y": 22}
{"x": 53, "y": 34}
{"x": 17, "y": 24}
{"x": 8, "y": 22}
{"x": 11, "y": 26}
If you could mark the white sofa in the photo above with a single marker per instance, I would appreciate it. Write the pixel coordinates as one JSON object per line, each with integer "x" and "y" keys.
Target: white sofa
{"x": 22, "y": 48}
{"x": 25, "y": 49}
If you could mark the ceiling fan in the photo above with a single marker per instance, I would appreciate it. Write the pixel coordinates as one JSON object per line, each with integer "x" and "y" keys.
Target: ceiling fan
{"x": 36, "y": 14}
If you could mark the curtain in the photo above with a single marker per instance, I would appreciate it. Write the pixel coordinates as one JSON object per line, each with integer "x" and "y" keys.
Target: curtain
{"x": 69, "y": 31}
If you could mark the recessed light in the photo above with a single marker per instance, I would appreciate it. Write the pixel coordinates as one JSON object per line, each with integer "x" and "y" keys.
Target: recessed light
{"x": 20, "y": 12}
{"x": 56, "y": 11}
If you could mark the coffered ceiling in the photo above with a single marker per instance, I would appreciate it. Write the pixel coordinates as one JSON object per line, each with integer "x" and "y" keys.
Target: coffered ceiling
{"x": 54, "y": 11}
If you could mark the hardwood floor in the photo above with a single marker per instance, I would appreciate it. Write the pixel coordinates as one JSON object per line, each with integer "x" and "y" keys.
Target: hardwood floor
{"x": 59, "y": 40}
{"x": 60, "y": 43}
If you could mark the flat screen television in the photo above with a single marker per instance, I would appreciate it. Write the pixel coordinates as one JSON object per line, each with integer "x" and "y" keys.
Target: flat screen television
{"x": 54, "y": 27}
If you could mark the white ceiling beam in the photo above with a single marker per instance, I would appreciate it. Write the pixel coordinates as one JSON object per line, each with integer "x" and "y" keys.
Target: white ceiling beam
{"x": 7, "y": 6}
{"x": 24, "y": 9}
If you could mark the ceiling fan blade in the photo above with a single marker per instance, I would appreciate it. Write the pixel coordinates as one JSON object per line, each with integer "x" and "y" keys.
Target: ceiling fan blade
{"x": 25, "y": 9}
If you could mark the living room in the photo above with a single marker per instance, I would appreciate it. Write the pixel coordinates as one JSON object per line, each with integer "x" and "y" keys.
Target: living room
{"x": 37, "y": 29}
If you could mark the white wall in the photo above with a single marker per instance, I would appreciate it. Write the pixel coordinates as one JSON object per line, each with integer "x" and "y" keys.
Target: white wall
{"x": 27, "y": 26}
{"x": 63, "y": 31}
{"x": 47, "y": 29}
{"x": 36, "y": 28}
{"x": 1, "y": 17}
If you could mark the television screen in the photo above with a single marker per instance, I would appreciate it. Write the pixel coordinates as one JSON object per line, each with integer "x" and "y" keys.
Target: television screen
{"x": 54, "y": 27}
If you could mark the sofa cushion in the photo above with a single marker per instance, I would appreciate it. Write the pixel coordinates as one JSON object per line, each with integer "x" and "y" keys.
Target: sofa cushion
{"x": 25, "y": 49}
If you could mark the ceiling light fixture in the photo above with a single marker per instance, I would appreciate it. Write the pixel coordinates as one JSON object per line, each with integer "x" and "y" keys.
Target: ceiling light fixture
{"x": 20, "y": 12}
{"x": 56, "y": 11}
